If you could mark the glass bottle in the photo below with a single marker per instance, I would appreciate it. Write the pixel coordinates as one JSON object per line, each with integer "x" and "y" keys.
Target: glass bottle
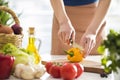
{"x": 31, "y": 45}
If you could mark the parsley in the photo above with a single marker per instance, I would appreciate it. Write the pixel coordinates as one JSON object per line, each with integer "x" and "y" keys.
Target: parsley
{"x": 111, "y": 61}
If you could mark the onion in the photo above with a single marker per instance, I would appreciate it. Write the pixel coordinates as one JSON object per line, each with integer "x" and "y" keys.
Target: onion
{"x": 5, "y": 29}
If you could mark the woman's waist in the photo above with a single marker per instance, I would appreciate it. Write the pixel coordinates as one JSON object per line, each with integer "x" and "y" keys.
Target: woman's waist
{"x": 82, "y": 10}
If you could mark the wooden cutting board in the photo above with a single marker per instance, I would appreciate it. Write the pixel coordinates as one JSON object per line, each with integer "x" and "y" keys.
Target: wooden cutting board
{"x": 89, "y": 66}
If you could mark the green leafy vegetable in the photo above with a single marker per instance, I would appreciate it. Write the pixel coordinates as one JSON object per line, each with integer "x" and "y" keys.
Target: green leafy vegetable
{"x": 111, "y": 61}
{"x": 4, "y": 16}
{"x": 20, "y": 55}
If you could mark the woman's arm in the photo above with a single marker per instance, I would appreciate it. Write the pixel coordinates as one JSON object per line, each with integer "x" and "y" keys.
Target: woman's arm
{"x": 66, "y": 29}
{"x": 59, "y": 10}
{"x": 99, "y": 16}
{"x": 88, "y": 40}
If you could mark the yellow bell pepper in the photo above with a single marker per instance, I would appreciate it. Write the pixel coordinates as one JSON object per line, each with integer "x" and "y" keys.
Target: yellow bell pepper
{"x": 74, "y": 55}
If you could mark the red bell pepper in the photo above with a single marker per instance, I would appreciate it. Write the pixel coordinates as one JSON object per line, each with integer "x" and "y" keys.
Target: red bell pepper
{"x": 6, "y": 64}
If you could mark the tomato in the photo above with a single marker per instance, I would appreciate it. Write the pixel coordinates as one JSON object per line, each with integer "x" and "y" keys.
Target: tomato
{"x": 48, "y": 65}
{"x": 55, "y": 71}
{"x": 68, "y": 71}
{"x": 80, "y": 69}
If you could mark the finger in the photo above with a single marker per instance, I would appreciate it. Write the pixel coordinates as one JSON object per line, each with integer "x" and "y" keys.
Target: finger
{"x": 73, "y": 35}
{"x": 67, "y": 38}
{"x": 84, "y": 43}
{"x": 90, "y": 47}
{"x": 87, "y": 47}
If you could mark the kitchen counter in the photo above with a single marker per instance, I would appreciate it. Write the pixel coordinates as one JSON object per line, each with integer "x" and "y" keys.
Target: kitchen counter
{"x": 84, "y": 76}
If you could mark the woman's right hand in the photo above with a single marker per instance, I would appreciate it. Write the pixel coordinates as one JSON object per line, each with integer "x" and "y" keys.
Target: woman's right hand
{"x": 66, "y": 32}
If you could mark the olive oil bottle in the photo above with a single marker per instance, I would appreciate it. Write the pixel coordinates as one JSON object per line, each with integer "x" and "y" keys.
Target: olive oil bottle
{"x": 31, "y": 45}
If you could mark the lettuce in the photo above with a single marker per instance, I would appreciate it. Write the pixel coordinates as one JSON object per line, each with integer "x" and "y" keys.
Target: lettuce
{"x": 21, "y": 55}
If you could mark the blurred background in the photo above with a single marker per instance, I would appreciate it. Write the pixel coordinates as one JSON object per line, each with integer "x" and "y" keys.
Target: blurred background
{"x": 38, "y": 14}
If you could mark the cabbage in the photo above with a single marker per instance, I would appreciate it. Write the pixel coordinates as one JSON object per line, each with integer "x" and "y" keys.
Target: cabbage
{"x": 21, "y": 58}
{"x": 20, "y": 55}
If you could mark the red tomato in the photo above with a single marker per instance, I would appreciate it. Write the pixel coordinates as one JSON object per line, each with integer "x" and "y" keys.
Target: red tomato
{"x": 55, "y": 71}
{"x": 80, "y": 69}
{"x": 68, "y": 71}
{"x": 48, "y": 65}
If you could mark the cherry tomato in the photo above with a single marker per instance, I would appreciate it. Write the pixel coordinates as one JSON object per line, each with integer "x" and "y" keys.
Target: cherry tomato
{"x": 80, "y": 69}
{"x": 48, "y": 65}
{"x": 68, "y": 71}
{"x": 55, "y": 71}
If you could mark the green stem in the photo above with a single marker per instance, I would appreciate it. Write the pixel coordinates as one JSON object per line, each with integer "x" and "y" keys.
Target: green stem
{"x": 71, "y": 53}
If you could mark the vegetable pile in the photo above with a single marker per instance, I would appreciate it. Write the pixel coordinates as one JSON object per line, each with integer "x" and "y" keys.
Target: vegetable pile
{"x": 66, "y": 71}
{"x": 5, "y": 17}
{"x": 22, "y": 66}
{"x": 20, "y": 55}
{"x": 14, "y": 29}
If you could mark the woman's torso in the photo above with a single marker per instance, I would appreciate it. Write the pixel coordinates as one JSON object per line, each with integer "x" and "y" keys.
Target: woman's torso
{"x": 81, "y": 16}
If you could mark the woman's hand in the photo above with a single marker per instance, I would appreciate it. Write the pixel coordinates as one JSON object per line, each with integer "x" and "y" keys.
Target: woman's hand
{"x": 66, "y": 32}
{"x": 88, "y": 42}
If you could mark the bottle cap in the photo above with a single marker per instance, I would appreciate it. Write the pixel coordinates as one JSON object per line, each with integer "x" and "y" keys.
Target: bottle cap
{"x": 31, "y": 30}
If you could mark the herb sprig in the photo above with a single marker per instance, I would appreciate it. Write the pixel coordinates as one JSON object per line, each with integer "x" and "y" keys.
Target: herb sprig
{"x": 111, "y": 61}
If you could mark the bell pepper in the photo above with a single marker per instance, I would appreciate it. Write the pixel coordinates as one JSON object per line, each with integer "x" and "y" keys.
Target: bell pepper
{"x": 74, "y": 55}
{"x": 6, "y": 63}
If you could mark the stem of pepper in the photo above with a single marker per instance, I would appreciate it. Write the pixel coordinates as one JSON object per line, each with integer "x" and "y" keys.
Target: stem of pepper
{"x": 71, "y": 53}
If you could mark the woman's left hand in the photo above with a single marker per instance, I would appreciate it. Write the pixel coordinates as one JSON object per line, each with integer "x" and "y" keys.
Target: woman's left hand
{"x": 88, "y": 42}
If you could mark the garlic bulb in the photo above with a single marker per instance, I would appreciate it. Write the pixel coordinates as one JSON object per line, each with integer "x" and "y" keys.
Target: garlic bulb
{"x": 18, "y": 70}
{"x": 29, "y": 71}
{"x": 40, "y": 70}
